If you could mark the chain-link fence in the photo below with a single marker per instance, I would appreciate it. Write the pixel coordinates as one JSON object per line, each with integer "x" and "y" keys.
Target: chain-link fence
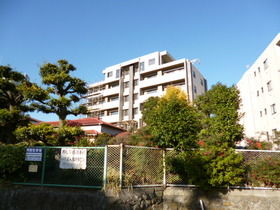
{"x": 52, "y": 166}
{"x": 116, "y": 166}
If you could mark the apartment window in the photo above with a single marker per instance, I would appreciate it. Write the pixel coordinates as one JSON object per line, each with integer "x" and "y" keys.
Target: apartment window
{"x": 142, "y": 66}
{"x": 113, "y": 112}
{"x": 259, "y": 69}
{"x": 194, "y": 89}
{"x": 126, "y": 72}
{"x": 126, "y": 98}
{"x": 101, "y": 114}
{"x": 274, "y": 133}
{"x": 150, "y": 91}
{"x": 135, "y": 96}
{"x": 265, "y": 111}
{"x": 136, "y": 69}
{"x": 194, "y": 74}
{"x": 150, "y": 76}
{"x": 260, "y": 113}
{"x": 262, "y": 89}
{"x": 113, "y": 98}
{"x": 113, "y": 85}
{"x": 125, "y": 112}
{"x": 273, "y": 109}
{"x": 265, "y": 64}
{"x": 255, "y": 74}
{"x": 110, "y": 74}
{"x": 258, "y": 93}
{"x": 135, "y": 111}
{"x": 201, "y": 82}
{"x": 152, "y": 61}
{"x": 126, "y": 84}
{"x": 269, "y": 86}
{"x": 117, "y": 73}
{"x": 136, "y": 82}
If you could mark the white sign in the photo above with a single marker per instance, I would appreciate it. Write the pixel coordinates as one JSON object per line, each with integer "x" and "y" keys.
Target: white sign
{"x": 33, "y": 168}
{"x": 33, "y": 154}
{"x": 72, "y": 158}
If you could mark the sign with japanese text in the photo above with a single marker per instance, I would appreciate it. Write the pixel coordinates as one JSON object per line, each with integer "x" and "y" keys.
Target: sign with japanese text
{"x": 72, "y": 158}
{"x": 33, "y": 154}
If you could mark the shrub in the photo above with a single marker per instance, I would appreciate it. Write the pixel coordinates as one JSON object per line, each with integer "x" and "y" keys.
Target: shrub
{"x": 264, "y": 172}
{"x": 102, "y": 139}
{"x": 259, "y": 145}
{"x": 11, "y": 161}
{"x": 211, "y": 167}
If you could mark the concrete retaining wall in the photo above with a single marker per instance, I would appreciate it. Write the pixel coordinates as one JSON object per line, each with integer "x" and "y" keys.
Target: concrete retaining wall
{"x": 170, "y": 198}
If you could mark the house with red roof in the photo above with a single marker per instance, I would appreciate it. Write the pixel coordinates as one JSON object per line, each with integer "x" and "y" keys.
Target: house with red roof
{"x": 92, "y": 126}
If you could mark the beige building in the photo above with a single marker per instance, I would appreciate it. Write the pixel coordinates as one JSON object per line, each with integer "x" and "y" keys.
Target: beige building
{"x": 260, "y": 94}
{"x": 119, "y": 98}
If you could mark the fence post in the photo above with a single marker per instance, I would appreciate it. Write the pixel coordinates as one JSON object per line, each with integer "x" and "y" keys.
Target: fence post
{"x": 121, "y": 164}
{"x": 105, "y": 166}
{"x": 164, "y": 167}
{"x": 44, "y": 165}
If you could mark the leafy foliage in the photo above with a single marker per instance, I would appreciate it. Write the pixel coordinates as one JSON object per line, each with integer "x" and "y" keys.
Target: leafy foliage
{"x": 142, "y": 137}
{"x": 83, "y": 142}
{"x": 258, "y": 145}
{"x": 63, "y": 91}
{"x": 172, "y": 120}
{"x": 209, "y": 168}
{"x": 220, "y": 118}
{"x": 67, "y": 135}
{"x": 15, "y": 92}
{"x": 36, "y": 133}
{"x": 215, "y": 163}
{"x": 264, "y": 172}
{"x": 121, "y": 138}
{"x": 11, "y": 161}
{"x": 102, "y": 139}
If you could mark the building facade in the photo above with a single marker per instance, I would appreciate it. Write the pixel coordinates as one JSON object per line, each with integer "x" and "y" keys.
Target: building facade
{"x": 119, "y": 98}
{"x": 260, "y": 94}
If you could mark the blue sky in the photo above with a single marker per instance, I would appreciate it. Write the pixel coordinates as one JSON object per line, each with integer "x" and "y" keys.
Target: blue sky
{"x": 225, "y": 35}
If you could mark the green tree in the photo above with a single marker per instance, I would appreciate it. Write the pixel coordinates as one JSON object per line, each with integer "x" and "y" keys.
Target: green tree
{"x": 63, "y": 91}
{"x": 36, "y": 133}
{"x": 215, "y": 163}
{"x": 208, "y": 167}
{"x": 102, "y": 139}
{"x": 14, "y": 97}
{"x": 219, "y": 115}
{"x": 172, "y": 120}
{"x": 67, "y": 135}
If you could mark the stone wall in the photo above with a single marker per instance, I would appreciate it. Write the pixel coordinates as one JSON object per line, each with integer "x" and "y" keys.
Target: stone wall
{"x": 186, "y": 198}
{"x": 170, "y": 198}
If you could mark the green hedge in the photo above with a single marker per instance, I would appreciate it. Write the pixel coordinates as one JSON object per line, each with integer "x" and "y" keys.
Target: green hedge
{"x": 11, "y": 161}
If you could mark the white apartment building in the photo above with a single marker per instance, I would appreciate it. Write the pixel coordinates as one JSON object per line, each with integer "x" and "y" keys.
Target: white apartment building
{"x": 260, "y": 94}
{"x": 119, "y": 98}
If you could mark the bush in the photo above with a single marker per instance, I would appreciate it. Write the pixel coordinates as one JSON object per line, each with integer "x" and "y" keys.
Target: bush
{"x": 264, "y": 172}
{"x": 102, "y": 139}
{"x": 83, "y": 142}
{"x": 211, "y": 167}
{"x": 11, "y": 161}
{"x": 259, "y": 145}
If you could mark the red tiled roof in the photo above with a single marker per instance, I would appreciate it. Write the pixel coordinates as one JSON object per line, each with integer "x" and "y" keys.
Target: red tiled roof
{"x": 83, "y": 122}
{"x": 35, "y": 120}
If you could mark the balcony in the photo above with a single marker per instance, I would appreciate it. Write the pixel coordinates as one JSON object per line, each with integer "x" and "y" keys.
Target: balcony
{"x": 112, "y": 104}
{"x": 143, "y": 98}
{"x": 110, "y": 119}
{"x": 111, "y": 91}
{"x": 166, "y": 78}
